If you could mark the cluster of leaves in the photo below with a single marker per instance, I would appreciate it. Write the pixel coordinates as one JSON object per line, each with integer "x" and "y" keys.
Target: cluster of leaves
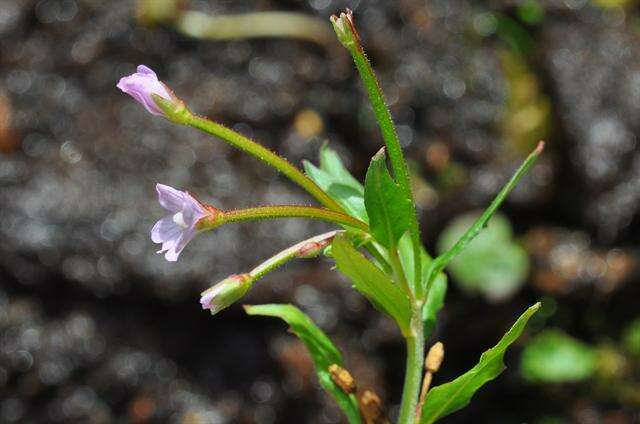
{"x": 380, "y": 203}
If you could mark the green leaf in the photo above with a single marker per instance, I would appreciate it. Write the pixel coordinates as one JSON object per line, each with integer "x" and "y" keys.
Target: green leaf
{"x": 322, "y": 350}
{"x": 450, "y": 397}
{"x": 331, "y": 163}
{"x": 555, "y": 357}
{"x": 443, "y": 260}
{"x": 493, "y": 264}
{"x": 371, "y": 282}
{"x": 340, "y": 185}
{"x": 389, "y": 210}
{"x": 434, "y": 303}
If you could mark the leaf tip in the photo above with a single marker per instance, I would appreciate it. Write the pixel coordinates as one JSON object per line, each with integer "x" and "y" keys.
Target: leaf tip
{"x": 380, "y": 153}
{"x": 539, "y": 147}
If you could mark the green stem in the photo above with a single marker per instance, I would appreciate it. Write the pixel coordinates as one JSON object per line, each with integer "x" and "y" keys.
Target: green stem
{"x": 249, "y": 146}
{"x": 288, "y": 254}
{"x": 390, "y": 136}
{"x": 287, "y": 211}
{"x": 413, "y": 372}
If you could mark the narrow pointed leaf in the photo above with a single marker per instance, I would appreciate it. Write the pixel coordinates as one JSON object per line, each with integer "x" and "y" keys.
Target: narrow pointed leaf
{"x": 390, "y": 211}
{"x": 441, "y": 261}
{"x": 371, "y": 282}
{"x": 322, "y": 350}
{"x": 450, "y": 397}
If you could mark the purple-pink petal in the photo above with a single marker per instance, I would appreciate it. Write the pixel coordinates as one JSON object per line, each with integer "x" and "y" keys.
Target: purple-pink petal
{"x": 186, "y": 236}
{"x": 170, "y": 198}
{"x": 142, "y": 85}
{"x": 192, "y": 210}
{"x": 175, "y": 231}
{"x": 165, "y": 229}
{"x": 206, "y": 298}
{"x": 143, "y": 69}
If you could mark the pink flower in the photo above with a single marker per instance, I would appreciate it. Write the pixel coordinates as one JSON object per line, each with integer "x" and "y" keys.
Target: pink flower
{"x": 142, "y": 85}
{"x": 176, "y": 230}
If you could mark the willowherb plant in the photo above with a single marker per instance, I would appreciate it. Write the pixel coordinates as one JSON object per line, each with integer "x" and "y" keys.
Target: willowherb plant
{"x": 377, "y": 247}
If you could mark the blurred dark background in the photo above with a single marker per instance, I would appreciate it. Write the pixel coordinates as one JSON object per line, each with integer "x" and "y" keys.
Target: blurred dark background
{"x": 95, "y": 327}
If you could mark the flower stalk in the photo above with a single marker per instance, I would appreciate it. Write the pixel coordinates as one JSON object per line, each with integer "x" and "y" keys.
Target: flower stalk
{"x": 286, "y": 211}
{"x": 305, "y": 249}
{"x": 232, "y": 288}
{"x": 182, "y": 115}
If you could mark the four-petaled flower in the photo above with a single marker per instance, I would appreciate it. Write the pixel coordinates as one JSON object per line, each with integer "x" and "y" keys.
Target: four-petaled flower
{"x": 142, "y": 85}
{"x": 176, "y": 230}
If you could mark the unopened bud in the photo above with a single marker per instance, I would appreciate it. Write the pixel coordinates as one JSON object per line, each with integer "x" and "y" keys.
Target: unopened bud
{"x": 342, "y": 378}
{"x": 313, "y": 249}
{"x": 145, "y": 87}
{"x": 225, "y": 293}
{"x": 344, "y": 28}
{"x": 434, "y": 357}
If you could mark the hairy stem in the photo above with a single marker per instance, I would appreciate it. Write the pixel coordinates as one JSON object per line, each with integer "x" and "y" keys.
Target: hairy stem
{"x": 389, "y": 134}
{"x": 286, "y": 211}
{"x": 249, "y": 146}
{"x": 295, "y": 251}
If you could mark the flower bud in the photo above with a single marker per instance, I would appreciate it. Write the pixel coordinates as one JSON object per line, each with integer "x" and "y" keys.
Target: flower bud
{"x": 313, "y": 248}
{"x": 146, "y": 89}
{"x": 226, "y": 292}
{"x": 344, "y": 28}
